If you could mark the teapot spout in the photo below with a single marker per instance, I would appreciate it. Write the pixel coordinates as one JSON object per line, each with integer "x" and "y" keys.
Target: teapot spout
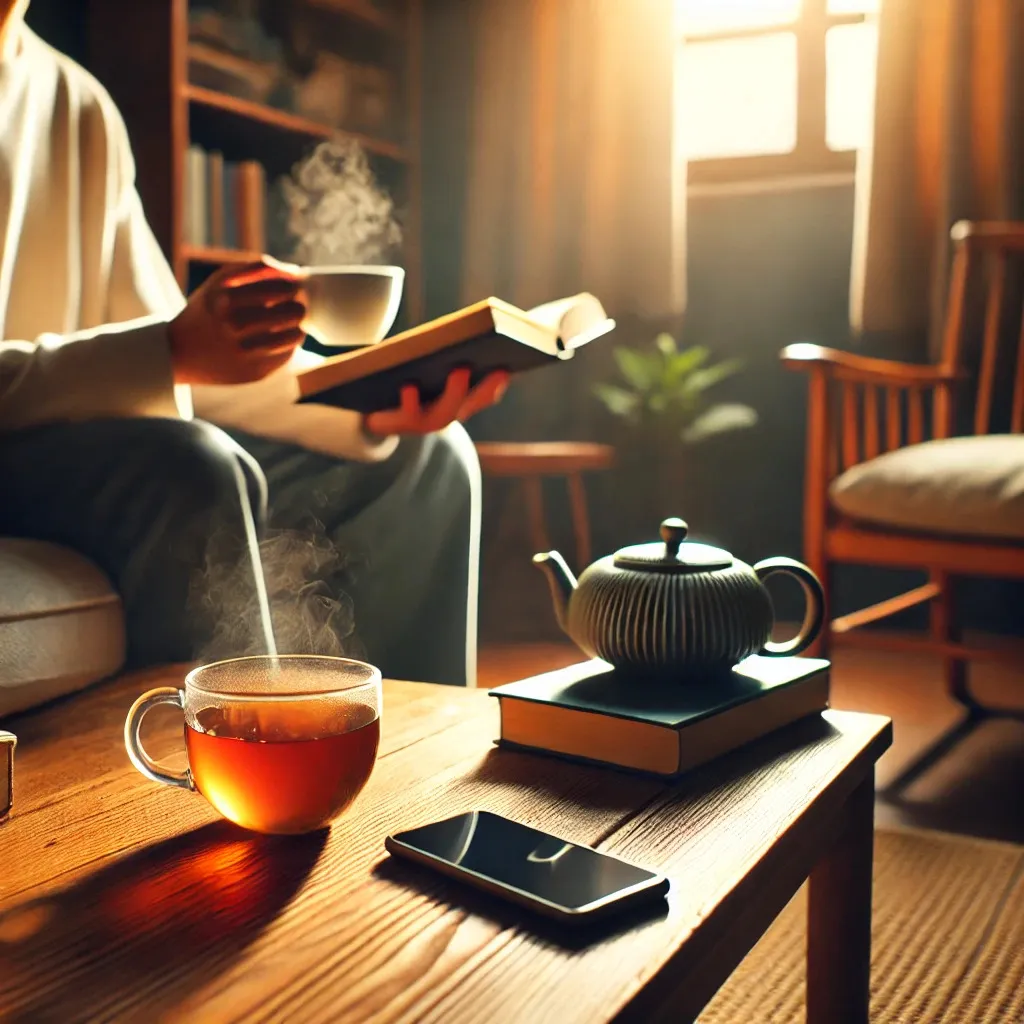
{"x": 560, "y": 580}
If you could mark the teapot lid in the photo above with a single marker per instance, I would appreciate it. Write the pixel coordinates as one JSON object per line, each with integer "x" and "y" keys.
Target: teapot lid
{"x": 673, "y": 555}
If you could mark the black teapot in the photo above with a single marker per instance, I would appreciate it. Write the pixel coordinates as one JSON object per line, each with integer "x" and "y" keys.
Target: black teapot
{"x": 677, "y": 606}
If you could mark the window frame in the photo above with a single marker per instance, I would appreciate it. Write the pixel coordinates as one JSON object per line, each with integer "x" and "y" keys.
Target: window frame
{"x": 811, "y": 155}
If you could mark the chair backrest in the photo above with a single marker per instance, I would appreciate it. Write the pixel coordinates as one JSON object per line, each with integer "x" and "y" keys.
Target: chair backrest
{"x": 989, "y": 353}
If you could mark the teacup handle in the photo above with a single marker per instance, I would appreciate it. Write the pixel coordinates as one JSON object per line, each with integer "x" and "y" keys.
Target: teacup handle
{"x": 814, "y": 605}
{"x": 133, "y": 741}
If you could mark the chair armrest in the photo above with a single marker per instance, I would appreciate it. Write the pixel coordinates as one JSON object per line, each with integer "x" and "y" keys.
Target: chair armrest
{"x": 847, "y": 366}
{"x": 993, "y": 234}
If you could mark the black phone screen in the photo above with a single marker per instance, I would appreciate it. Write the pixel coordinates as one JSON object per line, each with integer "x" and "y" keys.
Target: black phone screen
{"x": 523, "y": 858}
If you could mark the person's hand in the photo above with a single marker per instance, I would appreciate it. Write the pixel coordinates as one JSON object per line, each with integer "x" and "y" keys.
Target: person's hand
{"x": 458, "y": 402}
{"x": 242, "y": 323}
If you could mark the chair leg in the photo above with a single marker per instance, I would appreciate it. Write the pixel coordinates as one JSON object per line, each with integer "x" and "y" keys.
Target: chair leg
{"x": 944, "y": 628}
{"x": 534, "y": 495}
{"x": 580, "y": 519}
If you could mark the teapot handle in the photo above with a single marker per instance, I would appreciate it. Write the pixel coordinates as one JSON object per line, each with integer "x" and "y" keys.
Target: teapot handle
{"x": 814, "y": 605}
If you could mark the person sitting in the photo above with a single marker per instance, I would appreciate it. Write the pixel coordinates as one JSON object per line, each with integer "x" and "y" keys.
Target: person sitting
{"x": 111, "y": 383}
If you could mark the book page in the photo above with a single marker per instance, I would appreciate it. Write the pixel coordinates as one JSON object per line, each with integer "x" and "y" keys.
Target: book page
{"x": 576, "y": 319}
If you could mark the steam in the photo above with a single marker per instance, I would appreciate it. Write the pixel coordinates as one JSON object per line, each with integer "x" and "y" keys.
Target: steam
{"x": 309, "y": 611}
{"x": 259, "y": 580}
{"x": 294, "y": 603}
{"x": 336, "y": 210}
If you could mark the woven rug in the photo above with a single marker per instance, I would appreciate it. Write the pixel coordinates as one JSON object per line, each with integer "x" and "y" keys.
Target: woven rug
{"x": 947, "y": 940}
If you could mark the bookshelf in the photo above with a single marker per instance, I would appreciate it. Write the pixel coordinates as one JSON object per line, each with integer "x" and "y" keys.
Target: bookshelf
{"x": 273, "y": 121}
{"x": 141, "y": 52}
{"x": 361, "y": 10}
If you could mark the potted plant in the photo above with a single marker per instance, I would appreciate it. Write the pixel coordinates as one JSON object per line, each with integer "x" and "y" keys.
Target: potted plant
{"x": 665, "y": 399}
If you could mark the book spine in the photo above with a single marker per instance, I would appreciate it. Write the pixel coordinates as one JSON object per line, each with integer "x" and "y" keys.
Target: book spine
{"x": 748, "y": 722}
{"x": 215, "y": 194}
{"x": 188, "y": 200}
{"x": 252, "y": 198}
{"x": 231, "y": 205}
{"x": 196, "y": 196}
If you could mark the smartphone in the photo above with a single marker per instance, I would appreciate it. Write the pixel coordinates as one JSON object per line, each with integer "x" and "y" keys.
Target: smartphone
{"x": 562, "y": 880}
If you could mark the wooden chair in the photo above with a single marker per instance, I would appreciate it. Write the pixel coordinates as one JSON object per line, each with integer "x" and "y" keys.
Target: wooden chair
{"x": 530, "y": 462}
{"x": 861, "y": 408}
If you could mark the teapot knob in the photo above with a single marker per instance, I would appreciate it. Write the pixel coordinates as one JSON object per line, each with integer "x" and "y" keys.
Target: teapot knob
{"x": 673, "y": 533}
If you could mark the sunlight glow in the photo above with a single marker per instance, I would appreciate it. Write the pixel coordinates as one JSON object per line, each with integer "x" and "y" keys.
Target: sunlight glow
{"x": 738, "y": 96}
{"x": 696, "y": 16}
{"x": 853, "y": 6}
{"x": 850, "y": 55}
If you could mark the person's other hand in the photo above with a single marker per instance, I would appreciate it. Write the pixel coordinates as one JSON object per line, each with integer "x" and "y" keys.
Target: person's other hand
{"x": 242, "y": 323}
{"x": 457, "y": 402}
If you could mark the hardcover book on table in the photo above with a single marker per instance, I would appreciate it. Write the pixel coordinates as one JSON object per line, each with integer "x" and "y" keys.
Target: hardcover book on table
{"x": 487, "y": 336}
{"x": 591, "y": 712}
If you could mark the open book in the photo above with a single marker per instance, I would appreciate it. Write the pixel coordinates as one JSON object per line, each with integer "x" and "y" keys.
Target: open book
{"x": 487, "y": 336}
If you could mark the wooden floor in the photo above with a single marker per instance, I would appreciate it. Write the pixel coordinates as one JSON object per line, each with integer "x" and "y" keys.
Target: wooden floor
{"x": 977, "y": 790}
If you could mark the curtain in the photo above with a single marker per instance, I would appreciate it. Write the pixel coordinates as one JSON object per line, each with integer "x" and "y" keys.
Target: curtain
{"x": 948, "y": 145}
{"x": 573, "y": 183}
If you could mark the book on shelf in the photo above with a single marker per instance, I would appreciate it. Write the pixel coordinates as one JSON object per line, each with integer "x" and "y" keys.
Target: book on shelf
{"x": 591, "y": 712}
{"x": 231, "y": 205}
{"x": 195, "y": 197}
{"x": 215, "y": 201}
{"x": 224, "y": 201}
{"x": 487, "y": 336}
{"x": 251, "y": 203}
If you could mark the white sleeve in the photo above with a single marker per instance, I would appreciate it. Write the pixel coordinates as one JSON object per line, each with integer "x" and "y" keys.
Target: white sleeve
{"x": 120, "y": 370}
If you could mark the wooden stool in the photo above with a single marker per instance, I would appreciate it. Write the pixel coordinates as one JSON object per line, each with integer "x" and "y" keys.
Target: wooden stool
{"x": 531, "y": 462}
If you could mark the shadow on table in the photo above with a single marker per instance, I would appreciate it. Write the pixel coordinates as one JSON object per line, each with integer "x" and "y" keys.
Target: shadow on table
{"x": 143, "y": 933}
{"x": 506, "y": 916}
{"x": 564, "y": 779}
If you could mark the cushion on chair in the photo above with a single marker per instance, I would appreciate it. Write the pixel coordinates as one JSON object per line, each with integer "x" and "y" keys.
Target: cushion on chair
{"x": 61, "y": 623}
{"x": 962, "y": 486}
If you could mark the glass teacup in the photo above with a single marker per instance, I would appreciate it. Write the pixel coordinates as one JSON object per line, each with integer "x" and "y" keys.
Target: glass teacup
{"x": 276, "y": 744}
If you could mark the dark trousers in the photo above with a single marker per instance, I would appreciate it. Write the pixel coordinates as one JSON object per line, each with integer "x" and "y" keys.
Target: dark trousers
{"x": 377, "y": 561}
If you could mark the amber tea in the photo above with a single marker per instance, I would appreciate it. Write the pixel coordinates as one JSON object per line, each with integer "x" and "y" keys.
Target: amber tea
{"x": 265, "y": 772}
{"x": 280, "y": 745}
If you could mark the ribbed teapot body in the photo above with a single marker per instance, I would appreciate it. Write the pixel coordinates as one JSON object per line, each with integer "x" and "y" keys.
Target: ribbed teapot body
{"x": 667, "y": 621}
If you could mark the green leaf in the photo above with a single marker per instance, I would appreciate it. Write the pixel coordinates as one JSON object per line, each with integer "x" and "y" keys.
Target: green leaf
{"x": 617, "y": 400}
{"x": 709, "y": 376}
{"x": 665, "y": 344}
{"x": 720, "y": 419}
{"x": 685, "y": 363}
{"x": 637, "y": 367}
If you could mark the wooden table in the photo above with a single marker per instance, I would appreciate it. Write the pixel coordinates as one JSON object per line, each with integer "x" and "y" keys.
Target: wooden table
{"x": 121, "y": 899}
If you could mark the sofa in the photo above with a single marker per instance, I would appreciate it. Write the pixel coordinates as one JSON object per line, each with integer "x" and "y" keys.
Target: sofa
{"x": 61, "y": 624}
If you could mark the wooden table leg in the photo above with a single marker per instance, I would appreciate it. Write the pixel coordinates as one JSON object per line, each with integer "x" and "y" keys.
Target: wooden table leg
{"x": 839, "y": 918}
{"x": 533, "y": 492}
{"x": 580, "y": 520}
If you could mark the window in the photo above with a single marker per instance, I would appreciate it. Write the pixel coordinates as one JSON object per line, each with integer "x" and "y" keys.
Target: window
{"x": 771, "y": 88}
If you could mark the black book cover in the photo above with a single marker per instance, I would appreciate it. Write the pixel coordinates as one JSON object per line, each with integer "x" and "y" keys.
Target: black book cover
{"x": 483, "y": 354}
{"x": 598, "y": 688}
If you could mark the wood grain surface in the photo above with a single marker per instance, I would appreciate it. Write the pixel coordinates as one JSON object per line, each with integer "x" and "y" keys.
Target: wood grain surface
{"x": 121, "y": 899}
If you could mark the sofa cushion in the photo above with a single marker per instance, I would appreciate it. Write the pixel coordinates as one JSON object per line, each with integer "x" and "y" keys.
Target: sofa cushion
{"x": 61, "y": 623}
{"x": 961, "y": 486}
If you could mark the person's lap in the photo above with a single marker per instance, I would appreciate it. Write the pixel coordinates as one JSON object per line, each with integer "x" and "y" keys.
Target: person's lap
{"x": 399, "y": 540}
{"x": 156, "y": 504}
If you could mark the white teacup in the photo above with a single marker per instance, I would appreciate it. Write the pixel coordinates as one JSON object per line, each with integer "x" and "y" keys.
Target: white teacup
{"x": 352, "y": 305}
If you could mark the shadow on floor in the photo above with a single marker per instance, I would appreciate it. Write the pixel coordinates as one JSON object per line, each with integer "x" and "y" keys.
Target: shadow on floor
{"x": 977, "y": 790}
